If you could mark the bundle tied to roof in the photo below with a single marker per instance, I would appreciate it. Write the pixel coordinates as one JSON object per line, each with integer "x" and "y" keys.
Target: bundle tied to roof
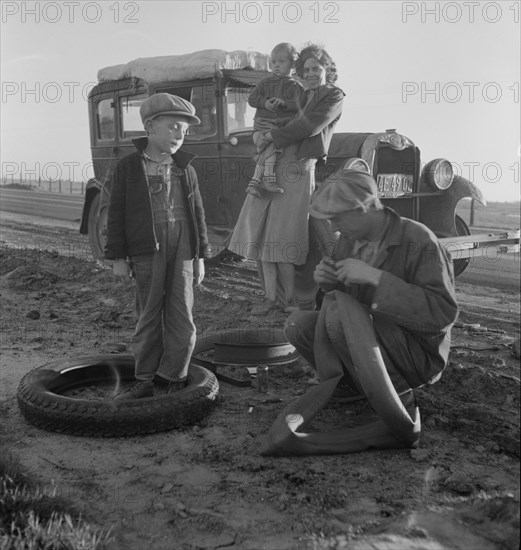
{"x": 191, "y": 66}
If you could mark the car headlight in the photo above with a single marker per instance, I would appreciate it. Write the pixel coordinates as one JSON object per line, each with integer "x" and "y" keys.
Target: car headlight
{"x": 438, "y": 173}
{"x": 355, "y": 163}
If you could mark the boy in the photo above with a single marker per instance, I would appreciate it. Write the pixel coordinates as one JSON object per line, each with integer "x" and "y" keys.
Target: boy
{"x": 277, "y": 98}
{"x": 156, "y": 233}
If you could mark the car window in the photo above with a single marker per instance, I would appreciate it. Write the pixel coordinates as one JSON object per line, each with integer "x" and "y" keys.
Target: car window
{"x": 239, "y": 113}
{"x": 202, "y": 97}
{"x": 131, "y": 125}
{"x": 105, "y": 128}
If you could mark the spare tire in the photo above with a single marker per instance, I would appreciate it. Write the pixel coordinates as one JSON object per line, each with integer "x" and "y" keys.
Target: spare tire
{"x": 43, "y": 400}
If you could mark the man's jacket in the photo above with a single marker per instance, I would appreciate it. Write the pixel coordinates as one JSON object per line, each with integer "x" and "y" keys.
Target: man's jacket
{"x": 130, "y": 224}
{"x": 416, "y": 289}
{"x": 313, "y": 127}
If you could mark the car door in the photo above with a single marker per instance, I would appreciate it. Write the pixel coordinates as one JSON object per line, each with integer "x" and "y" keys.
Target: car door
{"x": 237, "y": 149}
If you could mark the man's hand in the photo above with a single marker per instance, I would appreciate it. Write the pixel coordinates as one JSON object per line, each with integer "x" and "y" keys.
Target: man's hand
{"x": 198, "y": 271}
{"x": 325, "y": 276}
{"x": 355, "y": 271}
{"x": 121, "y": 271}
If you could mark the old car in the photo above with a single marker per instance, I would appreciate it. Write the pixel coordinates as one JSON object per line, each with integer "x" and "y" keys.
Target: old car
{"x": 218, "y": 84}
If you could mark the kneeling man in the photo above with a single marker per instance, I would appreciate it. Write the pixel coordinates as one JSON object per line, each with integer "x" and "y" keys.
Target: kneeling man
{"x": 384, "y": 325}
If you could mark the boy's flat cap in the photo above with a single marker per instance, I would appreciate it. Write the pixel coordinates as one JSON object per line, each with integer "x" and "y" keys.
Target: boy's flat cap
{"x": 343, "y": 191}
{"x": 168, "y": 104}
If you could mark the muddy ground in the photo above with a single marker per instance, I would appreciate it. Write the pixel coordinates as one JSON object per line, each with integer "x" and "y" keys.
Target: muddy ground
{"x": 206, "y": 486}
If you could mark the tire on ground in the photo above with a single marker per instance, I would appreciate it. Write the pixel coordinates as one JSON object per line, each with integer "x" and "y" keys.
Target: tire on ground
{"x": 42, "y": 403}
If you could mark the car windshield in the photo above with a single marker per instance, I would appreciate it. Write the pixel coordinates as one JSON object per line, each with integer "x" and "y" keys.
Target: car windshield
{"x": 239, "y": 113}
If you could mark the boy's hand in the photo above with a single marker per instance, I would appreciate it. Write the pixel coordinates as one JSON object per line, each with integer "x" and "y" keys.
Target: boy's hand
{"x": 121, "y": 271}
{"x": 198, "y": 271}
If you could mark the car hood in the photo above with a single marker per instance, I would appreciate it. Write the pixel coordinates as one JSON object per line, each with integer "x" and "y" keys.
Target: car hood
{"x": 347, "y": 144}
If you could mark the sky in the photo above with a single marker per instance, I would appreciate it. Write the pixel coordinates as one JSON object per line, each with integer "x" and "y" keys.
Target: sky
{"x": 444, "y": 74}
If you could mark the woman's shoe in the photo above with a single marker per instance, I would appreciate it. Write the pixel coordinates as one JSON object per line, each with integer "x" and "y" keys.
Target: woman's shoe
{"x": 291, "y": 307}
{"x": 264, "y": 307}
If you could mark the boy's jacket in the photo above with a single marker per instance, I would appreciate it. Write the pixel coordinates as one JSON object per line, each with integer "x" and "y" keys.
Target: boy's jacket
{"x": 130, "y": 224}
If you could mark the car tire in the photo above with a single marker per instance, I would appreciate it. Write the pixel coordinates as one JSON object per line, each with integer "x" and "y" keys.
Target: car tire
{"x": 42, "y": 403}
{"x": 462, "y": 230}
{"x": 97, "y": 227}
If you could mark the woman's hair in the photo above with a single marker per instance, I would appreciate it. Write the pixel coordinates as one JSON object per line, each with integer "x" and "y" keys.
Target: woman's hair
{"x": 285, "y": 48}
{"x": 320, "y": 54}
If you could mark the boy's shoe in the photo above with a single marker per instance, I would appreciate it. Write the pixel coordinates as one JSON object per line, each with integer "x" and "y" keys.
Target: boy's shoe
{"x": 138, "y": 390}
{"x": 255, "y": 188}
{"x": 160, "y": 381}
{"x": 269, "y": 183}
{"x": 178, "y": 385}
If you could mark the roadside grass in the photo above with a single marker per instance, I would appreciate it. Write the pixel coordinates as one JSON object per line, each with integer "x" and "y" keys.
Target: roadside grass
{"x": 24, "y": 186}
{"x": 32, "y": 519}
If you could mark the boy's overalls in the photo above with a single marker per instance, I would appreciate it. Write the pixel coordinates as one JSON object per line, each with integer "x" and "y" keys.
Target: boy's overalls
{"x": 165, "y": 333}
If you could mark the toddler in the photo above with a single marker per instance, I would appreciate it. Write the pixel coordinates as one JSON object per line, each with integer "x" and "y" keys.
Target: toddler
{"x": 277, "y": 99}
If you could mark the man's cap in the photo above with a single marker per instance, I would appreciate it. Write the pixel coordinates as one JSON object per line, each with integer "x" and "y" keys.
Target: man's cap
{"x": 168, "y": 104}
{"x": 346, "y": 190}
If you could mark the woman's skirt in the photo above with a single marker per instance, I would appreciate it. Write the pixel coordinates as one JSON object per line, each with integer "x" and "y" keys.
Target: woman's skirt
{"x": 275, "y": 228}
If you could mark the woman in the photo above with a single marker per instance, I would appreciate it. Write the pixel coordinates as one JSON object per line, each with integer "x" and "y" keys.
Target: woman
{"x": 274, "y": 229}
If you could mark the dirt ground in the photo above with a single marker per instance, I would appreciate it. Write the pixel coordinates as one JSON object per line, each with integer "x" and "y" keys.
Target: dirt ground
{"x": 206, "y": 486}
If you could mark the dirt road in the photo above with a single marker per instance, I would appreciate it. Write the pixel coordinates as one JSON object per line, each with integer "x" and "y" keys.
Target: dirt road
{"x": 206, "y": 486}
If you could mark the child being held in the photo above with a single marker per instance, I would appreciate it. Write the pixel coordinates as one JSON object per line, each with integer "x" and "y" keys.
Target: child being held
{"x": 277, "y": 99}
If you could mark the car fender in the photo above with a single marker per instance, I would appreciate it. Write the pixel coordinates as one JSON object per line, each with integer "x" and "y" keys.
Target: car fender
{"x": 437, "y": 210}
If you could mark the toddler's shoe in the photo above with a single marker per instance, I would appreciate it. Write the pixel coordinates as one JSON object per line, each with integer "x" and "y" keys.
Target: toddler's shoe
{"x": 138, "y": 390}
